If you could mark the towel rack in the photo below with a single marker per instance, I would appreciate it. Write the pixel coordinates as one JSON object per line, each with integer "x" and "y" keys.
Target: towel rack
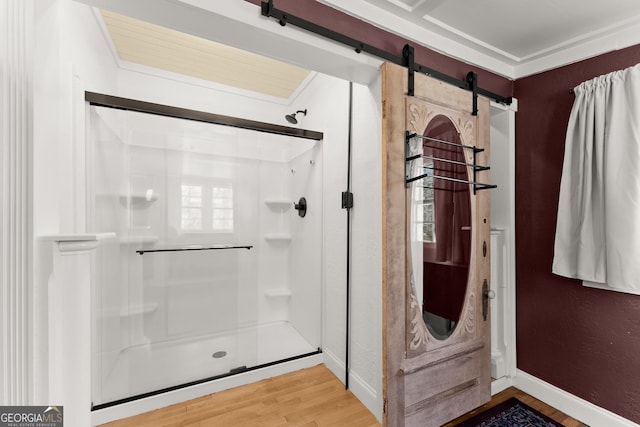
{"x": 194, "y": 248}
{"x": 410, "y": 158}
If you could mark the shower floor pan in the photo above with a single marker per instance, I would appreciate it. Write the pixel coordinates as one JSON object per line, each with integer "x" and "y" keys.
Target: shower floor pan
{"x": 152, "y": 369}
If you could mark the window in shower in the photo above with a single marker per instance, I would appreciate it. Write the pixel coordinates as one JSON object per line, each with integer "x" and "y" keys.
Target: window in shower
{"x": 222, "y": 198}
{"x": 207, "y": 208}
{"x": 212, "y": 271}
{"x": 191, "y": 207}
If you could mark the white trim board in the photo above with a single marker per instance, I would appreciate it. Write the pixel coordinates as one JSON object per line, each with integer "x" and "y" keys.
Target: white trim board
{"x": 575, "y": 407}
{"x": 364, "y": 392}
{"x": 500, "y": 384}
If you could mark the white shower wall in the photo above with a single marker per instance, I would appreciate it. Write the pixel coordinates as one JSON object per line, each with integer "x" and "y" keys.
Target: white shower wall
{"x": 327, "y": 100}
{"x": 147, "y": 171}
{"x": 305, "y": 254}
{"x": 290, "y": 268}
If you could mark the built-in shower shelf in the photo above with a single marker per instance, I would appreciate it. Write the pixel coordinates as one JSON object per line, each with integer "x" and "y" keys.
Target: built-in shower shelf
{"x": 277, "y": 237}
{"x": 277, "y": 203}
{"x": 129, "y": 240}
{"x": 137, "y": 310}
{"x": 138, "y": 200}
{"x": 277, "y": 293}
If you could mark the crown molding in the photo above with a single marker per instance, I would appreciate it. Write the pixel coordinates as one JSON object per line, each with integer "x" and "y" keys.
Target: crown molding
{"x": 459, "y": 45}
{"x": 456, "y": 45}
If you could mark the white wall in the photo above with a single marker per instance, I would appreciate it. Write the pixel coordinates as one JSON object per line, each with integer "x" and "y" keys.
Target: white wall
{"x": 70, "y": 57}
{"x": 366, "y": 256}
{"x": 16, "y": 70}
{"x": 502, "y": 162}
{"x": 305, "y": 179}
{"x": 327, "y": 100}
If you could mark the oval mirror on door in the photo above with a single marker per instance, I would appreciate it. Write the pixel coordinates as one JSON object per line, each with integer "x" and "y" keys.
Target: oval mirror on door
{"x": 447, "y": 227}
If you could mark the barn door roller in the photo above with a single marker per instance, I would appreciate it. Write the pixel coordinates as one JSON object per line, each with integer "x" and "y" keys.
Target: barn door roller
{"x": 406, "y": 59}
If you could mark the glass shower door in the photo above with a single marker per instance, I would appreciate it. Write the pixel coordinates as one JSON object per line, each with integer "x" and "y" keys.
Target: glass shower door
{"x": 212, "y": 271}
{"x": 178, "y": 310}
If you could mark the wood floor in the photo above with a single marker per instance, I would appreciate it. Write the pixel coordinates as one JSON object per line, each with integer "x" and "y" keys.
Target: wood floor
{"x": 312, "y": 397}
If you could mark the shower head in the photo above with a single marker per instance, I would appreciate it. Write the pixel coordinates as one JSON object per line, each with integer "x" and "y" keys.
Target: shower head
{"x": 291, "y": 118}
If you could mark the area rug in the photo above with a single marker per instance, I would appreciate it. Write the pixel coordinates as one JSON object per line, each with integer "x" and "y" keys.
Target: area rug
{"x": 511, "y": 413}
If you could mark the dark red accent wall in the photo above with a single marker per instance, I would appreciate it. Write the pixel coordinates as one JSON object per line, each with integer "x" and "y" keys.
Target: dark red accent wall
{"x": 582, "y": 340}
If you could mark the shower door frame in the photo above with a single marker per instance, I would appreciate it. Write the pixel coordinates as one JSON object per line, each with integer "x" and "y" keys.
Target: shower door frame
{"x": 128, "y": 104}
{"x": 102, "y": 100}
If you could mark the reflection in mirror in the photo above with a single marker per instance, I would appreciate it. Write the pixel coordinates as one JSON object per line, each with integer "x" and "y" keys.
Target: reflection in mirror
{"x": 446, "y": 209}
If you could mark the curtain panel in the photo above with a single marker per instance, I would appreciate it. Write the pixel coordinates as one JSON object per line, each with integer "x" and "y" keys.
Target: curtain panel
{"x": 598, "y": 225}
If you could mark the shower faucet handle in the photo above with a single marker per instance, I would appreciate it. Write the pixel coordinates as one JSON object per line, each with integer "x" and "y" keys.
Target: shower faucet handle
{"x": 301, "y": 207}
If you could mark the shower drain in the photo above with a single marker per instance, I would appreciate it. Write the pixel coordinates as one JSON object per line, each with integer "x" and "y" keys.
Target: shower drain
{"x": 219, "y": 354}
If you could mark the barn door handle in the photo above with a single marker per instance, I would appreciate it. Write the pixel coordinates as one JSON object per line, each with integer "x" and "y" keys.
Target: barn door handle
{"x": 487, "y": 294}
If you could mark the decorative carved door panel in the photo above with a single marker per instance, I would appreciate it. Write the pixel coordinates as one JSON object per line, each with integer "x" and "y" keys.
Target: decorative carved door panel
{"x": 436, "y": 349}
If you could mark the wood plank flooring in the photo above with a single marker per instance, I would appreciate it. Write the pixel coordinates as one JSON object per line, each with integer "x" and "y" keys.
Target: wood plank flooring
{"x": 311, "y": 397}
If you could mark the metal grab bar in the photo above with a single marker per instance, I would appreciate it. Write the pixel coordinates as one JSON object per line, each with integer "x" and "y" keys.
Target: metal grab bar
{"x": 194, "y": 248}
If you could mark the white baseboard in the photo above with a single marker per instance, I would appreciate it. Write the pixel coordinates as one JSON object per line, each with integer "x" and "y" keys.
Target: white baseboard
{"x": 501, "y": 384}
{"x": 362, "y": 390}
{"x": 575, "y": 407}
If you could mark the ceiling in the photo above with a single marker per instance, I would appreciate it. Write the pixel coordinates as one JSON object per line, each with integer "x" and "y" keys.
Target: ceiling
{"x": 139, "y": 42}
{"x": 511, "y": 37}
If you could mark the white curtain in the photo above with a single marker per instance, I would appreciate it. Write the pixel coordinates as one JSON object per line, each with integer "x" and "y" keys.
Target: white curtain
{"x": 598, "y": 229}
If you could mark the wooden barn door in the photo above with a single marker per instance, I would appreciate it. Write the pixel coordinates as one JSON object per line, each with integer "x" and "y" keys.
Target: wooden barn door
{"x": 430, "y": 379}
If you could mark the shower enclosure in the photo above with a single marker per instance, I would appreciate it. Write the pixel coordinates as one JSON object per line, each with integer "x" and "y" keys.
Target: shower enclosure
{"x": 213, "y": 271}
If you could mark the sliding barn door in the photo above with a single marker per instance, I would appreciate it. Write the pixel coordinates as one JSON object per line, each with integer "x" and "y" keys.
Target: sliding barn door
{"x": 436, "y": 330}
